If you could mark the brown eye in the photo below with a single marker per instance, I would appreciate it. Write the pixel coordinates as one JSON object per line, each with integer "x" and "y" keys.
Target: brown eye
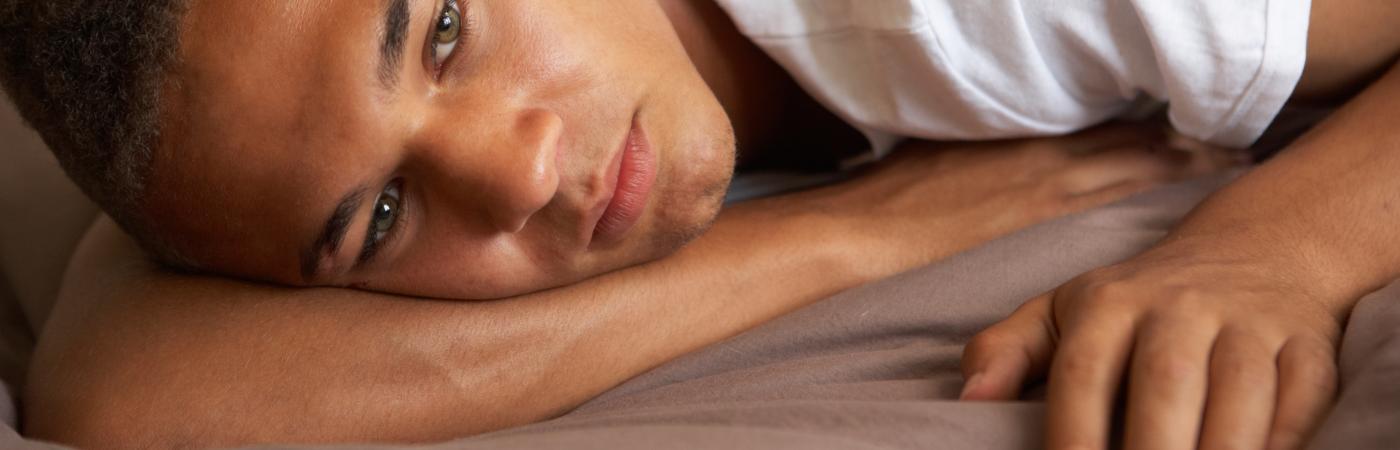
{"x": 447, "y": 30}
{"x": 383, "y": 219}
{"x": 449, "y": 25}
{"x": 385, "y": 214}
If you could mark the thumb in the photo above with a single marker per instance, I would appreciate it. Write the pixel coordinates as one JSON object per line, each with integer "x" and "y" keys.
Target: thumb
{"x": 999, "y": 360}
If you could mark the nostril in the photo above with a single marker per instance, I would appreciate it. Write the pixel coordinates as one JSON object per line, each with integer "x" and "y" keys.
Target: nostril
{"x": 534, "y": 180}
{"x": 519, "y": 197}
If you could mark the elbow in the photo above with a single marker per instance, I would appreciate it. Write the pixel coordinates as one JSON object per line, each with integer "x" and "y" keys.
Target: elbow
{"x": 88, "y": 416}
{"x": 93, "y": 396}
{"x": 94, "y": 427}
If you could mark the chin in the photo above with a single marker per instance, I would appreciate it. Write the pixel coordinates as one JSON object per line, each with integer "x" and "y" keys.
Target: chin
{"x": 698, "y": 192}
{"x": 693, "y": 179}
{"x": 690, "y": 218}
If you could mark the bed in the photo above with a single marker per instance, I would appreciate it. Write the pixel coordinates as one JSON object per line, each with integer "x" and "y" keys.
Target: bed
{"x": 874, "y": 367}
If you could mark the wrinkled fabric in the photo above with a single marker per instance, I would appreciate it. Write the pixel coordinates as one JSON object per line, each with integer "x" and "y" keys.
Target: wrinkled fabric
{"x": 996, "y": 69}
{"x": 876, "y": 367}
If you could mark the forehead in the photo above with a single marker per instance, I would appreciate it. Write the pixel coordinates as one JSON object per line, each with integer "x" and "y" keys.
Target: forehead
{"x": 269, "y": 100}
{"x": 284, "y": 65}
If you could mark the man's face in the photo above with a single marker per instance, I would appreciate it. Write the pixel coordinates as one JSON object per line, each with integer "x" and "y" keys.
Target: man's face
{"x": 465, "y": 149}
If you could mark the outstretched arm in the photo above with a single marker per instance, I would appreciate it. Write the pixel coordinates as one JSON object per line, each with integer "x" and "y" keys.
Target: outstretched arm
{"x": 1227, "y": 330}
{"x": 135, "y": 357}
{"x": 157, "y": 357}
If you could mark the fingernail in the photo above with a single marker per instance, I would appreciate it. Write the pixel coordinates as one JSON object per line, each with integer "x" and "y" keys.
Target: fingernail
{"x": 969, "y": 386}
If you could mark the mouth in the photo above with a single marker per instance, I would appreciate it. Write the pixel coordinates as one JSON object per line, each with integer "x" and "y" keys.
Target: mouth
{"x": 633, "y": 174}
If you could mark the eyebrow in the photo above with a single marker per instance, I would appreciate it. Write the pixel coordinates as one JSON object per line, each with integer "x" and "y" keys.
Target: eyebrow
{"x": 332, "y": 234}
{"x": 394, "y": 37}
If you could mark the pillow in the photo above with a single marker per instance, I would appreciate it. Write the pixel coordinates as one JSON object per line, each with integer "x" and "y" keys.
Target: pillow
{"x": 45, "y": 216}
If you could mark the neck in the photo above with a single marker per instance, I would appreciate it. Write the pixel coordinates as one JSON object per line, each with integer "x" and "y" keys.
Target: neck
{"x": 775, "y": 122}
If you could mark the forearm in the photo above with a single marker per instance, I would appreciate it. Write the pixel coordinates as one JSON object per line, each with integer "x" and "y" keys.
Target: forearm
{"x": 1330, "y": 203}
{"x": 138, "y": 358}
{"x": 177, "y": 358}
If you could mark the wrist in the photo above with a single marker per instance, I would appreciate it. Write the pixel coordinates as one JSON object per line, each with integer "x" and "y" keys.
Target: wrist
{"x": 1283, "y": 252}
{"x": 802, "y": 235}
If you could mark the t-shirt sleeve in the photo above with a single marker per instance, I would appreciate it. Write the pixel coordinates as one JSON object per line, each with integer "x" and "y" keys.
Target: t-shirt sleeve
{"x": 995, "y": 69}
{"x": 1226, "y": 67}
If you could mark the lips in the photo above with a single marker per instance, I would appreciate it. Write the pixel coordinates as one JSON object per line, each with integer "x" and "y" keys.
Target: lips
{"x": 636, "y": 174}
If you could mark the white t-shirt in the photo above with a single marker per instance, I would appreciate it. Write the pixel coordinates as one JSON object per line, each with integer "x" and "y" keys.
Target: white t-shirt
{"x": 990, "y": 69}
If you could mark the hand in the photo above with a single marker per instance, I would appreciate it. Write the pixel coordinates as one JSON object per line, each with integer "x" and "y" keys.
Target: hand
{"x": 932, "y": 200}
{"x": 1220, "y": 348}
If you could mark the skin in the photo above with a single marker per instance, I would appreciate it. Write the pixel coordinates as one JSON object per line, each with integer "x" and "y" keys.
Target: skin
{"x": 505, "y": 151}
{"x": 1227, "y": 331}
{"x": 134, "y": 357}
{"x": 129, "y": 359}
{"x": 117, "y": 310}
{"x": 1229, "y": 328}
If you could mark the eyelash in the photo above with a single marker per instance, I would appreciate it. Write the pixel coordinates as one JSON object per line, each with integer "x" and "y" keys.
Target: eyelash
{"x": 374, "y": 243}
{"x": 464, "y": 34}
{"x": 373, "y": 240}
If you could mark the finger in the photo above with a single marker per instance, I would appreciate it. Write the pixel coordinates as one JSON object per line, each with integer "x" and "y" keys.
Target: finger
{"x": 1114, "y": 135}
{"x": 1243, "y": 388}
{"x": 1209, "y": 154}
{"x": 1307, "y": 378}
{"x": 1201, "y": 162}
{"x": 1107, "y": 195}
{"x": 999, "y": 360}
{"x": 1167, "y": 384}
{"x": 1060, "y": 151}
{"x": 1123, "y": 165}
{"x": 1084, "y": 380}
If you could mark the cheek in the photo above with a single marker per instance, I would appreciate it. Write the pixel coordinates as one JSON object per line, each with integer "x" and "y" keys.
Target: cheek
{"x": 616, "y": 41}
{"x": 455, "y": 267}
{"x": 537, "y": 46}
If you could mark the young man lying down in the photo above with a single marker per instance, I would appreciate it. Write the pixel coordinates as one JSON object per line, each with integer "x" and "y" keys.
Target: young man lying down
{"x": 570, "y": 157}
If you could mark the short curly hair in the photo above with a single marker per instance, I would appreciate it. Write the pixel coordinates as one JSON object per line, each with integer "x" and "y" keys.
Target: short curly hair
{"x": 88, "y": 76}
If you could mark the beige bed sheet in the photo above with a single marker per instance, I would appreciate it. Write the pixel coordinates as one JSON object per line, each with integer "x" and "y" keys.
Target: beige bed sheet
{"x": 873, "y": 368}
{"x": 44, "y": 216}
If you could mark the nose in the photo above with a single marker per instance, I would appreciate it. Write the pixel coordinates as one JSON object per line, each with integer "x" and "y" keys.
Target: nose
{"x": 506, "y": 173}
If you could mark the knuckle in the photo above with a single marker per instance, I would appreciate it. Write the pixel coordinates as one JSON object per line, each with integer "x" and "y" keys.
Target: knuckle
{"x": 1176, "y": 304}
{"x": 1318, "y": 377}
{"x": 1191, "y": 298}
{"x": 1051, "y": 192}
{"x": 1046, "y": 200}
{"x": 1053, "y": 206}
{"x": 1101, "y": 293}
{"x": 1045, "y": 154}
{"x": 986, "y": 342}
{"x": 1312, "y": 364}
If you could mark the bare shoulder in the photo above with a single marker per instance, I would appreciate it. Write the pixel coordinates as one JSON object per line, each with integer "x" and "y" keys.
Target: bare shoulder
{"x": 134, "y": 356}
{"x": 45, "y": 216}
